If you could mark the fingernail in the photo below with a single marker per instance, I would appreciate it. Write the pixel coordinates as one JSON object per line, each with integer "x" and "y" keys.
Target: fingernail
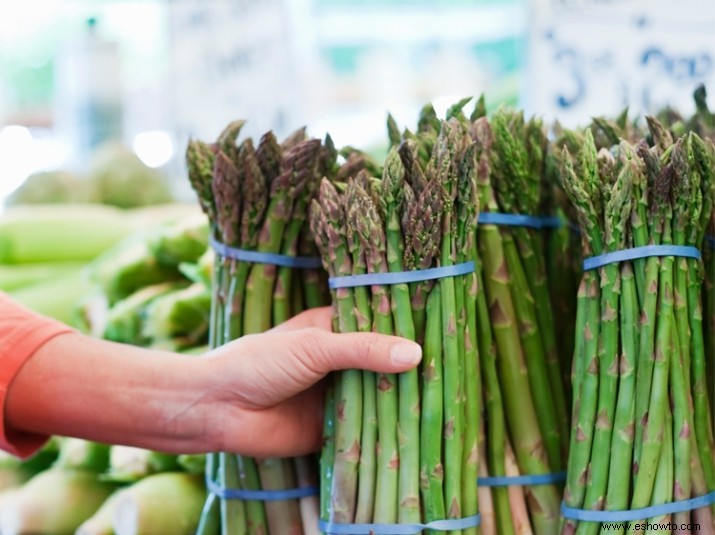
{"x": 404, "y": 354}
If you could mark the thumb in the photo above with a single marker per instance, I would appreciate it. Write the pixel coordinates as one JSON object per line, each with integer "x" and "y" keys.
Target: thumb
{"x": 323, "y": 351}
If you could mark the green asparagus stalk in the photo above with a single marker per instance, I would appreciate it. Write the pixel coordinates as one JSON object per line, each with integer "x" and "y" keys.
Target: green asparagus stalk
{"x": 616, "y": 212}
{"x": 578, "y": 187}
{"x": 408, "y": 391}
{"x": 448, "y": 145}
{"x": 421, "y": 227}
{"x": 467, "y": 285}
{"x": 663, "y": 487}
{"x": 367, "y": 471}
{"x": 348, "y": 421}
{"x": 658, "y": 399}
{"x": 619, "y": 477}
{"x": 372, "y": 236}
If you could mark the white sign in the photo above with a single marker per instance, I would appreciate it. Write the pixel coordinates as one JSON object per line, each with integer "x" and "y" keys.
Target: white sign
{"x": 231, "y": 60}
{"x": 590, "y": 59}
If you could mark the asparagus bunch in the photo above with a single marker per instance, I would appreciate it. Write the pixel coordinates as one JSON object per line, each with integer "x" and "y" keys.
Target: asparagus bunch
{"x": 514, "y": 314}
{"x": 403, "y": 449}
{"x": 641, "y": 431}
{"x": 524, "y": 399}
{"x": 257, "y": 199}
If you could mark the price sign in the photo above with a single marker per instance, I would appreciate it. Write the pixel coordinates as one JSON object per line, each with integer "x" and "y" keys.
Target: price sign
{"x": 231, "y": 60}
{"x": 595, "y": 58}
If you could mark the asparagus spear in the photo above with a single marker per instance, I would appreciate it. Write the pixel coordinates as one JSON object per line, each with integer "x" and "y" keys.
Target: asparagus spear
{"x": 331, "y": 222}
{"x": 467, "y": 251}
{"x": 615, "y": 216}
{"x": 658, "y": 399}
{"x": 422, "y": 239}
{"x": 363, "y": 311}
{"x": 409, "y": 411}
{"x": 372, "y": 236}
{"x": 578, "y": 187}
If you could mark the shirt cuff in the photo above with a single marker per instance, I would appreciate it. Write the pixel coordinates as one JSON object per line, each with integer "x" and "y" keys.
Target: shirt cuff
{"x": 16, "y": 347}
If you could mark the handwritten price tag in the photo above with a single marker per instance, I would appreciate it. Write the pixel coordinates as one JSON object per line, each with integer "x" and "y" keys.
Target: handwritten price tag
{"x": 597, "y": 58}
{"x": 231, "y": 60}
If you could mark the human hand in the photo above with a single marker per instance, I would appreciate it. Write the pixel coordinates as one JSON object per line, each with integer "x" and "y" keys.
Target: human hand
{"x": 268, "y": 395}
{"x": 260, "y": 395}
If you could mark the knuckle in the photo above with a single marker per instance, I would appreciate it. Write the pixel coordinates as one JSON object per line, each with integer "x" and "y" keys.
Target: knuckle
{"x": 310, "y": 345}
{"x": 369, "y": 347}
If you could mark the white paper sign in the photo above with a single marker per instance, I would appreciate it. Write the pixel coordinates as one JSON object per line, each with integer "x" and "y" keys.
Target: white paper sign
{"x": 230, "y": 60}
{"x": 595, "y": 58}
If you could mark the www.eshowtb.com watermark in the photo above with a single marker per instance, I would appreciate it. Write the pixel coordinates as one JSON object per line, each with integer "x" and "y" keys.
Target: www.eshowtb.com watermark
{"x": 664, "y": 526}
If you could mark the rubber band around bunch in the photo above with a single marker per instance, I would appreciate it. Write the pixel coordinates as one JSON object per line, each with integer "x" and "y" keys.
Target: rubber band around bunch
{"x": 683, "y": 251}
{"x": 452, "y": 524}
{"x": 519, "y": 220}
{"x": 585, "y": 515}
{"x": 260, "y": 495}
{"x": 522, "y": 481}
{"x": 401, "y": 277}
{"x": 258, "y": 257}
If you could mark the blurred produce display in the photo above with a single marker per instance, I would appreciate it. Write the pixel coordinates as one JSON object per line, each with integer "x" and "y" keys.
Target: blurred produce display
{"x": 135, "y": 277}
{"x": 49, "y": 187}
{"x": 116, "y": 177}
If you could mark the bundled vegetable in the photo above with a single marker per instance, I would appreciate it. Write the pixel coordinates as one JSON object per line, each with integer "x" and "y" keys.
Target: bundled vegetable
{"x": 642, "y": 431}
{"x": 525, "y": 415}
{"x": 257, "y": 201}
{"x": 403, "y": 449}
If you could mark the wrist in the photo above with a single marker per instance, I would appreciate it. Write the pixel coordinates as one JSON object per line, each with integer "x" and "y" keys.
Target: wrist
{"x": 217, "y": 413}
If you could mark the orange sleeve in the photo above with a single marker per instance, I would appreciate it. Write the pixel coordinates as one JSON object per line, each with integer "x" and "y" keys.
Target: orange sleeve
{"x": 22, "y": 332}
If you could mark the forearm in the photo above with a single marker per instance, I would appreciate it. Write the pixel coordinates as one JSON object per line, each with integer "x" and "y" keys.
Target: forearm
{"x": 74, "y": 385}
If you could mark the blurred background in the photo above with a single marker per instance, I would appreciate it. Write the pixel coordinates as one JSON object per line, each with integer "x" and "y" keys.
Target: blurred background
{"x": 95, "y": 87}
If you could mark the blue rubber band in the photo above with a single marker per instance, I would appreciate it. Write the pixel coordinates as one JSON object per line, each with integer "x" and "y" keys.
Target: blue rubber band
{"x": 333, "y": 528}
{"x": 710, "y": 240}
{"x": 646, "y": 251}
{"x": 260, "y": 495}
{"x": 401, "y": 277}
{"x": 257, "y": 257}
{"x": 513, "y": 481}
{"x": 521, "y": 220}
{"x": 512, "y": 220}
{"x": 584, "y": 515}
{"x": 551, "y": 222}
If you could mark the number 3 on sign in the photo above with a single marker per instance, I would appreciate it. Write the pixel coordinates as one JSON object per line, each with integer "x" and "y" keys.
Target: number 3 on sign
{"x": 572, "y": 62}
